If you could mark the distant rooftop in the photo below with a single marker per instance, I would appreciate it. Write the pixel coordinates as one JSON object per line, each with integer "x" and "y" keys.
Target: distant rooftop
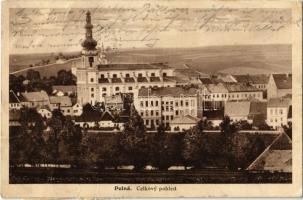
{"x": 279, "y": 102}
{"x": 167, "y": 91}
{"x": 187, "y": 119}
{"x": 239, "y": 87}
{"x": 254, "y": 79}
{"x": 133, "y": 66}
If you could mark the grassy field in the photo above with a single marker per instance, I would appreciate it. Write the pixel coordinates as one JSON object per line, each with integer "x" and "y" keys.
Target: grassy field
{"x": 229, "y": 59}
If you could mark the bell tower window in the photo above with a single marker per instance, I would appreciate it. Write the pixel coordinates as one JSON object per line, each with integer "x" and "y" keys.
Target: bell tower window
{"x": 91, "y": 60}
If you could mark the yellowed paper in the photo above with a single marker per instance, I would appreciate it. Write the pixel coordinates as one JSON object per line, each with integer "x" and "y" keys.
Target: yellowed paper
{"x": 234, "y": 37}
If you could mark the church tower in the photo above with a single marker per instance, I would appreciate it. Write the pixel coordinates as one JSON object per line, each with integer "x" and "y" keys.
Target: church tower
{"x": 89, "y": 51}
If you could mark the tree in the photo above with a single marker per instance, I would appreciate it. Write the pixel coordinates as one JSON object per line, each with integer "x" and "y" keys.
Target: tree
{"x": 56, "y": 123}
{"x": 228, "y": 130}
{"x": 159, "y": 149}
{"x": 133, "y": 140}
{"x": 32, "y": 75}
{"x": 194, "y": 151}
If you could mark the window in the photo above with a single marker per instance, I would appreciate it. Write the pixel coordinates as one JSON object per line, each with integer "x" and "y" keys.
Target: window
{"x": 152, "y": 74}
{"x": 186, "y": 103}
{"x": 166, "y": 108}
{"x": 281, "y": 111}
{"x": 130, "y": 88}
{"x": 157, "y": 122}
{"x": 171, "y": 103}
{"x": 156, "y": 103}
{"x": 146, "y": 113}
{"x": 176, "y": 103}
{"x": 147, "y": 122}
{"x": 117, "y": 88}
{"x": 141, "y": 103}
{"x": 102, "y": 76}
{"x": 151, "y": 113}
{"x": 167, "y": 117}
{"x": 177, "y": 112}
{"x": 152, "y": 103}
{"x": 157, "y": 113}
{"x": 214, "y": 95}
{"x": 91, "y": 60}
{"x": 142, "y": 114}
{"x": 127, "y": 75}
{"x": 91, "y": 80}
{"x": 104, "y": 89}
{"x": 140, "y": 75}
{"x": 172, "y": 117}
{"x": 146, "y": 103}
{"x": 92, "y": 95}
{"x": 75, "y": 111}
{"x": 92, "y": 89}
{"x": 276, "y": 120}
{"x": 164, "y": 74}
{"x": 181, "y": 103}
{"x": 68, "y": 111}
{"x": 114, "y": 75}
{"x": 217, "y": 95}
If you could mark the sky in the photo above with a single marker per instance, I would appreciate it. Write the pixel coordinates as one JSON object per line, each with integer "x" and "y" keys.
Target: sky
{"x": 146, "y": 25}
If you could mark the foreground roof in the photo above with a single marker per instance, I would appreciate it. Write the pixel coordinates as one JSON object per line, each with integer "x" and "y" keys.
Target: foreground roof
{"x": 65, "y": 88}
{"x": 240, "y": 87}
{"x": 62, "y": 100}
{"x": 187, "y": 119}
{"x": 35, "y": 96}
{"x": 237, "y": 108}
{"x": 276, "y": 157}
{"x": 279, "y": 102}
{"x": 13, "y": 97}
{"x": 167, "y": 91}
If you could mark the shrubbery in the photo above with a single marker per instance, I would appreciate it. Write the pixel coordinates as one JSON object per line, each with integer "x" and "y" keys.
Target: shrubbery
{"x": 67, "y": 143}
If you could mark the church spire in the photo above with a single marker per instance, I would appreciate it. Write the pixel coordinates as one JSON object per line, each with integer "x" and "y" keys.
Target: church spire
{"x": 89, "y": 43}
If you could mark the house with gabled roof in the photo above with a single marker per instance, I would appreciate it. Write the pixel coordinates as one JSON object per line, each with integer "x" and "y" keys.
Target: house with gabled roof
{"x": 238, "y": 110}
{"x": 35, "y": 99}
{"x": 277, "y": 157}
{"x": 279, "y": 85}
{"x": 45, "y": 111}
{"x": 278, "y": 111}
{"x": 14, "y": 101}
{"x": 259, "y": 81}
{"x": 183, "y": 123}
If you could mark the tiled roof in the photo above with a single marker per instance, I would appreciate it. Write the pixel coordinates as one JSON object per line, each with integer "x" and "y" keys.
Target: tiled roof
{"x": 239, "y": 87}
{"x": 187, "y": 119}
{"x": 279, "y": 102}
{"x": 113, "y": 99}
{"x": 167, "y": 91}
{"x": 106, "y": 116}
{"x": 65, "y": 88}
{"x": 217, "y": 88}
{"x": 206, "y": 80}
{"x": 234, "y": 108}
{"x": 254, "y": 79}
{"x": 35, "y": 96}
{"x": 92, "y": 116}
{"x": 134, "y": 66}
{"x": 62, "y": 100}
{"x": 283, "y": 81}
{"x": 13, "y": 97}
{"x": 276, "y": 157}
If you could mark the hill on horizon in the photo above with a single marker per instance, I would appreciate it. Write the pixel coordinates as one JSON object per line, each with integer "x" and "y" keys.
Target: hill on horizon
{"x": 240, "y": 59}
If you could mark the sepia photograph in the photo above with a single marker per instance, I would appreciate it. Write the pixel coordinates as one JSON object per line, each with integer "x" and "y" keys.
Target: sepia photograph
{"x": 150, "y": 92}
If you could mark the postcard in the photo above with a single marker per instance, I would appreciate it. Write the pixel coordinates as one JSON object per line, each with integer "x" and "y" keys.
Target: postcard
{"x": 151, "y": 98}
